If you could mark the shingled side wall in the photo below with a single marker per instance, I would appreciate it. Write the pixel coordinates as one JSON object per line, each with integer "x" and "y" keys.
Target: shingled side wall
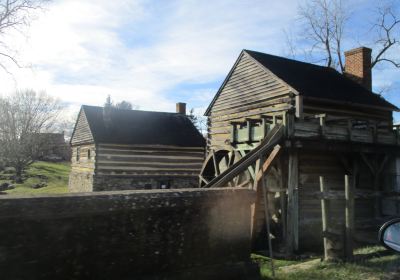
{"x": 169, "y": 234}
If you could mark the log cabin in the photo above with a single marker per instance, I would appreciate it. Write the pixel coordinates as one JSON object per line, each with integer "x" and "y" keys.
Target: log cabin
{"x": 114, "y": 149}
{"x": 321, "y": 142}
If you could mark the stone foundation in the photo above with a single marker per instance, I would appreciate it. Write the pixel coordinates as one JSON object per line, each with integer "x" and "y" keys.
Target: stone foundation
{"x": 80, "y": 182}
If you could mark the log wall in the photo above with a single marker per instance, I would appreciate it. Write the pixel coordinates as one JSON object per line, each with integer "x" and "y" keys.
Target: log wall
{"x": 143, "y": 166}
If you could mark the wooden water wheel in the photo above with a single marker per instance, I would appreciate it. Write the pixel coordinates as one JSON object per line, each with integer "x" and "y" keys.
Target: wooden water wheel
{"x": 217, "y": 162}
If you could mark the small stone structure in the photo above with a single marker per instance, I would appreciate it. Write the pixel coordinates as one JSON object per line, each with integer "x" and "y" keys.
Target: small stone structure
{"x": 153, "y": 234}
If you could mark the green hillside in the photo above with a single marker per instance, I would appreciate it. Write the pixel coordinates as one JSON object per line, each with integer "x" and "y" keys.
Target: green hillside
{"x": 53, "y": 175}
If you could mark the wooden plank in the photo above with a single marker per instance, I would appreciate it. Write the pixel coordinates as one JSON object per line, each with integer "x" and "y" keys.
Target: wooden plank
{"x": 256, "y": 110}
{"x": 149, "y": 147}
{"x": 292, "y": 205}
{"x": 267, "y": 164}
{"x": 249, "y": 106}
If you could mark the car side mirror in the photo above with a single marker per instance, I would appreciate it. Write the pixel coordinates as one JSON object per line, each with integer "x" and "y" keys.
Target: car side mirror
{"x": 389, "y": 235}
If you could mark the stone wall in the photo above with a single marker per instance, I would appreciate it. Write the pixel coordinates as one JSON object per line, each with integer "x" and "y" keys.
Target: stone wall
{"x": 80, "y": 182}
{"x": 109, "y": 183}
{"x": 164, "y": 234}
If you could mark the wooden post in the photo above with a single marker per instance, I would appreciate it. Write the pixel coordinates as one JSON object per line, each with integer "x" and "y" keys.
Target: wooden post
{"x": 266, "y": 212}
{"x": 248, "y": 130}
{"x": 233, "y": 133}
{"x": 282, "y": 197}
{"x": 299, "y": 106}
{"x": 349, "y": 214}
{"x": 292, "y": 207}
{"x": 322, "y": 124}
{"x": 325, "y": 215}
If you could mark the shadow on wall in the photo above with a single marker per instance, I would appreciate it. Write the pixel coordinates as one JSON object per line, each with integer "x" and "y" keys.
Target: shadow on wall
{"x": 163, "y": 234}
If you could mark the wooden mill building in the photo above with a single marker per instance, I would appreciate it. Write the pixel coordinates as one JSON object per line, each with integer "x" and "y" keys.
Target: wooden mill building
{"x": 327, "y": 125}
{"x": 115, "y": 149}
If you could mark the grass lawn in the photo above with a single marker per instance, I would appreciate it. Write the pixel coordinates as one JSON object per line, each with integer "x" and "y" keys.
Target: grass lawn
{"x": 380, "y": 264}
{"x": 55, "y": 175}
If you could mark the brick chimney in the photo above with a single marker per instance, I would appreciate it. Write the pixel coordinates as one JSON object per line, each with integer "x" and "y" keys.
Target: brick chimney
{"x": 358, "y": 66}
{"x": 181, "y": 108}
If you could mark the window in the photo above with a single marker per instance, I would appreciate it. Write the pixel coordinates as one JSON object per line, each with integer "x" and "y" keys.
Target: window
{"x": 89, "y": 156}
{"x": 165, "y": 185}
{"x": 78, "y": 153}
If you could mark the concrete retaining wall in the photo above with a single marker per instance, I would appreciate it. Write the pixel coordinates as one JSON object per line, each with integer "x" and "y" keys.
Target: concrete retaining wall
{"x": 171, "y": 234}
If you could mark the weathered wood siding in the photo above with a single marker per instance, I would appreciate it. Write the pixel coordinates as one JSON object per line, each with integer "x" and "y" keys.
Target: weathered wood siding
{"x": 82, "y": 133}
{"x": 347, "y": 111}
{"x": 311, "y": 166}
{"x": 250, "y": 91}
{"x": 143, "y": 160}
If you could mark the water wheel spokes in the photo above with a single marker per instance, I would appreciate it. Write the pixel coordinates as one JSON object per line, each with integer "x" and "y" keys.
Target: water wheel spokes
{"x": 216, "y": 163}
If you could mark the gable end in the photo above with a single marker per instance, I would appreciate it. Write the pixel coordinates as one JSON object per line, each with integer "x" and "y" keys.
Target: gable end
{"x": 82, "y": 132}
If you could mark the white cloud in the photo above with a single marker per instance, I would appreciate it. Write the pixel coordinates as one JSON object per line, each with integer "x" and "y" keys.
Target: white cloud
{"x": 139, "y": 51}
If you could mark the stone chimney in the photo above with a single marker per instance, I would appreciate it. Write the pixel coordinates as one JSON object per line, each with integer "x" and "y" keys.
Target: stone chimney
{"x": 181, "y": 108}
{"x": 358, "y": 66}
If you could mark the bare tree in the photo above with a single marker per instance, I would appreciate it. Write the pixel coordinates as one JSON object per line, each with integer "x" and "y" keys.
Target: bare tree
{"x": 23, "y": 116}
{"x": 388, "y": 29}
{"x": 14, "y": 14}
{"x": 198, "y": 121}
{"x": 325, "y": 22}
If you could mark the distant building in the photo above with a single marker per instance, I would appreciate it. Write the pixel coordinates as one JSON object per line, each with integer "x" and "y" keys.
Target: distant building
{"x": 115, "y": 149}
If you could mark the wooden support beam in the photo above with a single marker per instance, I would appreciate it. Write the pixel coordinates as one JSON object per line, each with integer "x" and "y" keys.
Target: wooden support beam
{"x": 350, "y": 129}
{"x": 376, "y": 170}
{"x": 292, "y": 205}
{"x": 368, "y": 163}
{"x": 322, "y": 119}
{"x": 202, "y": 179}
{"x": 250, "y": 168}
{"x": 349, "y": 185}
{"x": 346, "y": 164}
{"x": 233, "y": 133}
{"x": 267, "y": 164}
{"x": 325, "y": 215}
{"x": 266, "y": 212}
{"x": 243, "y": 184}
{"x": 216, "y": 166}
{"x": 299, "y": 106}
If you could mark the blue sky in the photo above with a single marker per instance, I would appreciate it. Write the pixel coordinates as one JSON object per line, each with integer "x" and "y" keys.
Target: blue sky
{"x": 156, "y": 53}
